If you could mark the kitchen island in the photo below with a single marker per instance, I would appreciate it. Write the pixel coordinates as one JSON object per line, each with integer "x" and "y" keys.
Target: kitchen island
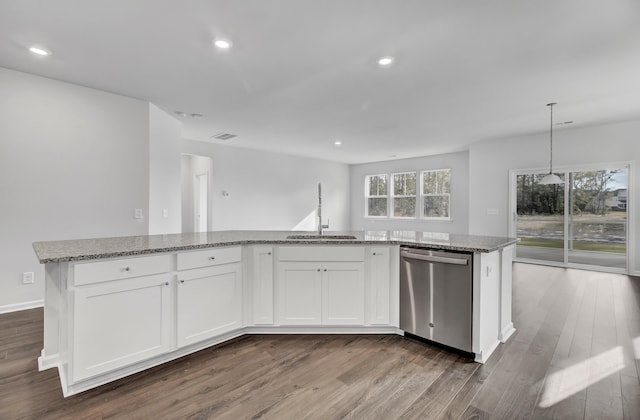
{"x": 116, "y": 306}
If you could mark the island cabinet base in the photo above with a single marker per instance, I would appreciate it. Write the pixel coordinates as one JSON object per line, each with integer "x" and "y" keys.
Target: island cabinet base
{"x": 109, "y": 318}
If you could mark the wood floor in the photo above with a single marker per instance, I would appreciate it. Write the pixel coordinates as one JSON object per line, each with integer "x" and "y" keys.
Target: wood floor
{"x": 572, "y": 357}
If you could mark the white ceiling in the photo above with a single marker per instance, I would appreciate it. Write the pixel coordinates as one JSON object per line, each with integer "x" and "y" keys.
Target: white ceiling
{"x": 302, "y": 73}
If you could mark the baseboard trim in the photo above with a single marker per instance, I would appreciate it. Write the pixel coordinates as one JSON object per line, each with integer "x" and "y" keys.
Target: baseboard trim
{"x": 14, "y": 307}
{"x": 484, "y": 355}
{"x": 302, "y": 329}
{"x": 506, "y": 332}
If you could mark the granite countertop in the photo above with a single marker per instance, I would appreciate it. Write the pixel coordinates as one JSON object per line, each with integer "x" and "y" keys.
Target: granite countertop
{"x": 89, "y": 249}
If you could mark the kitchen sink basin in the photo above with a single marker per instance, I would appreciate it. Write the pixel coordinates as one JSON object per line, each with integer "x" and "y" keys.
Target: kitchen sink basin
{"x": 321, "y": 237}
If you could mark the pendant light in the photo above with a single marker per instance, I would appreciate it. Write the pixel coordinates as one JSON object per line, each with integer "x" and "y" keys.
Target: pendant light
{"x": 551, "y": 178}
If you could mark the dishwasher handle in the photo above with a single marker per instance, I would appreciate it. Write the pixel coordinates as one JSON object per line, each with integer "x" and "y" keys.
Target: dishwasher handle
{"x": 434, "y": 258}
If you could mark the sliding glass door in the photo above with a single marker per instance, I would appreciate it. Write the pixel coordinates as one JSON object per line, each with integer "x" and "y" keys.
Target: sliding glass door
{"x": 597, "y": 218}
{"x": 582, "y": 222}
{"x": 540, "y": 219}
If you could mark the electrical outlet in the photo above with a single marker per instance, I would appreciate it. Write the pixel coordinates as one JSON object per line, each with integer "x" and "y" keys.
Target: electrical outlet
{"x": 137, "y": 214}
{"x": 28, "y": 277}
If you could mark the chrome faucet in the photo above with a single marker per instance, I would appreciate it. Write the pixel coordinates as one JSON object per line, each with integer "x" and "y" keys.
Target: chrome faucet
{"x": 320, "y": 225}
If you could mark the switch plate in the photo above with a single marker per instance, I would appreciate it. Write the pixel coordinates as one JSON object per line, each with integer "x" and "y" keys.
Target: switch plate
{"x": 137, "y": 213}
{"x": 165, "y": 212}
{"x": 28, "y": 277}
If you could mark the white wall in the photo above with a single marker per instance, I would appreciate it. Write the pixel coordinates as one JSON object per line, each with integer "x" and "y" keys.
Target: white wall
{"x": 193, "y": 165}
{"x": 164, "y": 172}
{"x": 73, "y": 164}
{"x": 459, "y": 165}
{"x": 272, "y": 191}
{"x": 491, "y": 161}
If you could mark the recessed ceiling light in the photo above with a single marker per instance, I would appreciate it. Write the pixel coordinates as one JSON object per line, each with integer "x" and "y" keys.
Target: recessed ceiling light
{"x": 223, "y": 44}
{"x": 385, "y": 61}
{"x": 337, "y": 143}
{"x": 39, "y": 51}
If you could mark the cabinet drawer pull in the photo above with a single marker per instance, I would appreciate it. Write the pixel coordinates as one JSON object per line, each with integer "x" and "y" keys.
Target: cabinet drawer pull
{"x": 181, "y": 281}
{"x": 127, "y": 269}
{"x": 374, "y": 253}
{"x": 268, "y": 253}
{"x": 212, "y": 258}
{"x": 318, "y": 269}
{"x": 325, "y": 269}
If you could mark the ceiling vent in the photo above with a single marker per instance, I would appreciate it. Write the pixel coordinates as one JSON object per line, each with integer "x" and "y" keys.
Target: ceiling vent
{"x": 223, "y": 136}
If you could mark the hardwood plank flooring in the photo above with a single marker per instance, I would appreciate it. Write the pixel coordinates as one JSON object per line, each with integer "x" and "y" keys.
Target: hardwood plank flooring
{"x": 574, "y": 355}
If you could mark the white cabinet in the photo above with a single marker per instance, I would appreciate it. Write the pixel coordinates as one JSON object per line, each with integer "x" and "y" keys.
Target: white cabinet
{"x": 379, "y": 286}
{"x": 486, "y": 304}
{"x": 209, "y": 302}
{"x": 117, "y": 269}
{"x": 321, "y": 286}
{"x": 262, "y": 284}
{"x": 299, "y": 293}
{"x": 208, "y": 257}
{"x": 120, "y": 322}
{"x": 343, "y": 293}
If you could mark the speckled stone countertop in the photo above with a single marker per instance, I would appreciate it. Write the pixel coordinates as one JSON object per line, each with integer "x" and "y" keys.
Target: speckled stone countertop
{"x": 89, "y": 249}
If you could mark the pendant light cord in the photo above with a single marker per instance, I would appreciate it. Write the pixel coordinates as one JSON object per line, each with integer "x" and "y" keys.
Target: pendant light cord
{"x": 551, "y": 139}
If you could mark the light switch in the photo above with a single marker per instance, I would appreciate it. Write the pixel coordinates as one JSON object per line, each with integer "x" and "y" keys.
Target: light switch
{"x": 165, "y": 212}
{"x": 137, "y": 214}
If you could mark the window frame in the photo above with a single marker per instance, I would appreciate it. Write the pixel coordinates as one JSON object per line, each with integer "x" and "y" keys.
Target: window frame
{"x": 423, "y": 196}
{"x": 367, "y": 196}
{"x": 394, "y": 196}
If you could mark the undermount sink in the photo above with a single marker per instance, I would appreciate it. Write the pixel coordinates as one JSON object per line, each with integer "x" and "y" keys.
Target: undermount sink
{"x": 321, "y": 237}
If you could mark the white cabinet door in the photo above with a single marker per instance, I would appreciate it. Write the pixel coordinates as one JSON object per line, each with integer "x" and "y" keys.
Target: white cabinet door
{"x": 262, "y": 284}
{"x": 343, "y": 293}
{"x": 299, "y": 293}
{"x": 209, "y": 302}
{"x": 486, "y": 301}
{"x": 119, "y": 323}
{"x": 379, "y": 287}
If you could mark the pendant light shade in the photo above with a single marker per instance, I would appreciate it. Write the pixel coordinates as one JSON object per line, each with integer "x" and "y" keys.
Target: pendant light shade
{"x": 551, "y": 178}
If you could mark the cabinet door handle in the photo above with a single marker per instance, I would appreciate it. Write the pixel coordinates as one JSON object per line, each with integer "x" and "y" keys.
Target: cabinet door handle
{"x": 374, "y": 253}
{"x": 325, "y": 269}
{"x": 318, "y": 269}
{"x": 127, "y": 269}
{"x": 181, "y": 281}
{"x": 268, "y": 253}
{"x": 166, "y": 283}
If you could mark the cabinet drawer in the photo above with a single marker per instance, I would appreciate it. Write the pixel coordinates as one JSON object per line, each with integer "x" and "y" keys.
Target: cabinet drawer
{"x": 321, "y": 253}
{"x": 209, "y": 257}
{"x": 96, "y": 272}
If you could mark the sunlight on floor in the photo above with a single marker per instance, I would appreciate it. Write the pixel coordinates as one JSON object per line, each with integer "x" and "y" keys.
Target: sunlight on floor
{"x": 575, "y": 378}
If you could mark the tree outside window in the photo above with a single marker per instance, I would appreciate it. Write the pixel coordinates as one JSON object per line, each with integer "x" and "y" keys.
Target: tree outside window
{"x": 436, "y": 194}
{"x": 404, "y": 194}
{"x": 376, "y": 194}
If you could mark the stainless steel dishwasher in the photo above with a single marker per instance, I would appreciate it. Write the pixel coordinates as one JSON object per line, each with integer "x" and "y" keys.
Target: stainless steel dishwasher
{"x": 436, "y": 290}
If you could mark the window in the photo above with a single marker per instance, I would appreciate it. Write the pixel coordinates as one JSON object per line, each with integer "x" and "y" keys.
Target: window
{"x": 404, "y": 194}
{"x": 376, "y": 195}
{"x": 436, "y": 194}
